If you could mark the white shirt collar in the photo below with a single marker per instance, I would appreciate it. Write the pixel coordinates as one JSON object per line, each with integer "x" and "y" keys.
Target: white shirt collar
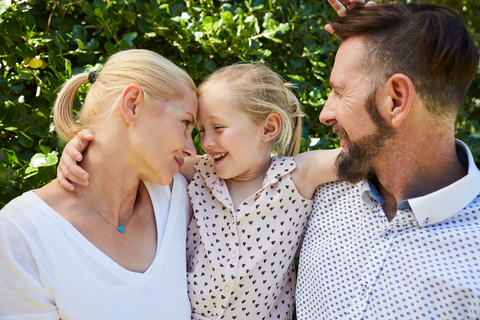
{"x": 441, "y": 204}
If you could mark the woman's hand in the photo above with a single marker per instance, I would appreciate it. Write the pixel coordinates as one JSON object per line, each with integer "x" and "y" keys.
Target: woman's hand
{"x": 68, "y": 167}
{"x": 342, "y": 11}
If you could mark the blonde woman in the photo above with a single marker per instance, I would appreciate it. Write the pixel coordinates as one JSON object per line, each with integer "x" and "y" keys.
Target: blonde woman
{"x": 114, "y": 250}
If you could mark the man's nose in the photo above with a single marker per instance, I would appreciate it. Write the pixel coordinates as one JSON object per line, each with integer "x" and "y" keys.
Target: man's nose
{"x": 327, "y": 116}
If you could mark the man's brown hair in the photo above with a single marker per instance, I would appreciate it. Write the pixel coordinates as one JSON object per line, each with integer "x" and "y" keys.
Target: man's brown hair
{"x": 428, "y": 43}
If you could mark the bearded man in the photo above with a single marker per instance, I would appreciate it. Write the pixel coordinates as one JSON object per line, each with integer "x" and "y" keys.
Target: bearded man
{"x": 399, "y": 238}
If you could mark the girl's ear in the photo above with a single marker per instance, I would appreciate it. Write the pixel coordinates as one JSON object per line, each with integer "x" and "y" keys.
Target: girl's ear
{"x": 130, "y": 99}
{"x": 271, "y": 127}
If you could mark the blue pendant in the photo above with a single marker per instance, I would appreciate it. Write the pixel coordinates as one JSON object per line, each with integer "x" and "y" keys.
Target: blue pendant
{"x": 121, "y": 229}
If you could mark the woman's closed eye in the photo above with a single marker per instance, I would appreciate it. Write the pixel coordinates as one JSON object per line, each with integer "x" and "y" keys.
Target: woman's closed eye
{"x": 187, "y": 123}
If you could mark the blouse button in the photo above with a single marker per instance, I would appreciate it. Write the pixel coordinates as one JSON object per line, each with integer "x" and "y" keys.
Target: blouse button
{"x": 226, "y": 288}
{"x": 234, "y": 255}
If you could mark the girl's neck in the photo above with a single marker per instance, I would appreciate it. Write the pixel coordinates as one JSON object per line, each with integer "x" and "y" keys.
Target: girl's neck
{"x": 243, "y": 186}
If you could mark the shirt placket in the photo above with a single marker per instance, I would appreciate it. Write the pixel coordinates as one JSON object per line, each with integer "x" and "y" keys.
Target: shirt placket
{"x": 232, "y": 241}
{"x": 377, "y": 257}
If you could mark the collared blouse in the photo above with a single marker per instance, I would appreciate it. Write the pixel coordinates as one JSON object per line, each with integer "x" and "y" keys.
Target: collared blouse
{"x": 240, "y": 263}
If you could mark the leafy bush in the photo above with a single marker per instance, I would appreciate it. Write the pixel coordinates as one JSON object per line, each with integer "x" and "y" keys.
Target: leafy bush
{"x": 43, "y": 43}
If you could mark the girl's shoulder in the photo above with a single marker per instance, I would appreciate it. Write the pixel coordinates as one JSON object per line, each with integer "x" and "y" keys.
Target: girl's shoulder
{"x": 280, "y": 167}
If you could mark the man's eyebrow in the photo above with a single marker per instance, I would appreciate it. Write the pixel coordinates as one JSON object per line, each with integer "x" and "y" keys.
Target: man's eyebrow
{"x": 336, "y": 87}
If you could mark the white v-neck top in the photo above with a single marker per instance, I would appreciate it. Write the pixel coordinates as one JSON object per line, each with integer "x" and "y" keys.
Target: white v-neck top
{"x": 48, "y": 270}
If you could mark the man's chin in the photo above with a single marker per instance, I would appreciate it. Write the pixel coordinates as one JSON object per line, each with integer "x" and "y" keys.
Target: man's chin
{"x": 351, "y": 168}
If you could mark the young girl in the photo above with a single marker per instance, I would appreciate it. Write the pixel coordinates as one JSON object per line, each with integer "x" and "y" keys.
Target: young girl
{"x": 249, "y": 208}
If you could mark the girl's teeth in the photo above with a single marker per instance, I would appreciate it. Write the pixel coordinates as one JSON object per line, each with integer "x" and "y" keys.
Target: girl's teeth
{"x": 217, "y": 156}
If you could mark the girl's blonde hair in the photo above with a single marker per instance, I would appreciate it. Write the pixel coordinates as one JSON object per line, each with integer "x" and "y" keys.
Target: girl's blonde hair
{"x": 259, "y": 91}
{"x": 157, "y": 76}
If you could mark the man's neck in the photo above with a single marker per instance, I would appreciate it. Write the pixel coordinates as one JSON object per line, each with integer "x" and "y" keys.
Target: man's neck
{"x": 416, "y": 169}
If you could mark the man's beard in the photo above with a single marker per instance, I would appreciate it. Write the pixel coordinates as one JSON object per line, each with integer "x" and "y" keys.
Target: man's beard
{"x": 354, "y": 164}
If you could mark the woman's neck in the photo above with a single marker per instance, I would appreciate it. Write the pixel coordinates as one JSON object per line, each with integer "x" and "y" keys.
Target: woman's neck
{"x": 113, "y": 186}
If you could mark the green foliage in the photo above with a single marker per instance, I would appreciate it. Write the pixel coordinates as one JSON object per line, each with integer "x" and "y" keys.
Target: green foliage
{"x": 43, "y": 43}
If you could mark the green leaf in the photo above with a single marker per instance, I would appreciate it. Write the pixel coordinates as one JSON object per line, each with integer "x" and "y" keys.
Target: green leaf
{"x": 43, "y": 160}
{"x": 8, "y": 177}
{"x": 4, "y": 4}
{"x": 68, "y": 68}
{"x": 25, "y": 140}
{"x": 87, "y": 8}
{"x": 79, "y": 33}
{"x": 145, "y": 27}
{"x": 129, "y": 36}
{"x": 11, "y": 157}
{"x": 227, "y": 16}
{"x": 8, "y": 112}
{"x": 80, "y": 44}
{"x": 265, "y": 53}
{"x": 14, "y": 32}
{"x": 17, "y": 87}
{"x": 100, "y": 5}
{"x": 44, "y": 175}
{"x": 46, "y": 148}
{"x": 29, "y": 21}
{"x": 60, "y": 41}
{"x": 92, "y": 44}
{"x": 29, "y": 172}
{"x": 25, "y": 51}
{"x": 110, "y": 47}
{"x": 53, "y": 59}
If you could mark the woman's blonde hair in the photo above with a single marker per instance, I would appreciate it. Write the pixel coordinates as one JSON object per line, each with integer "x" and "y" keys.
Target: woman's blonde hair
{"x": 157, "y": 76}
{"x": 259, "y": 91}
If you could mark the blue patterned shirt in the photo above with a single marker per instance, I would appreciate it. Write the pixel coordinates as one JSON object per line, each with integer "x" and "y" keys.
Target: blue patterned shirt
{"x": 424, "y": 264}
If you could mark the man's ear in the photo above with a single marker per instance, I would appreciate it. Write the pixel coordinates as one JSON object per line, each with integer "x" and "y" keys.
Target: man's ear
{"x": 271, "y": 127}
{"x": 396, "y": 97}
{"x": 130, "y": 99}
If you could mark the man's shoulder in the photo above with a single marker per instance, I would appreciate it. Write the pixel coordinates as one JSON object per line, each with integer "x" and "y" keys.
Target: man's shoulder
{"x": 337, "y": 190}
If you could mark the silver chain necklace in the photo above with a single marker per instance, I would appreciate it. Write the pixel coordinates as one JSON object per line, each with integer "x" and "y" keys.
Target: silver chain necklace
{"x": 120, "y": 228}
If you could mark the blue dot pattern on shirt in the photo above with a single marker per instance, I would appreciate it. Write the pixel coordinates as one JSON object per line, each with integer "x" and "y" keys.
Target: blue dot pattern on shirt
{"x": 354, "y": 264}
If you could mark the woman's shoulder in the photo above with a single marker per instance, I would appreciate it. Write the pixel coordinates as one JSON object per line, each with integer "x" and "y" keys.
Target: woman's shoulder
{"x": 22, "y": 207}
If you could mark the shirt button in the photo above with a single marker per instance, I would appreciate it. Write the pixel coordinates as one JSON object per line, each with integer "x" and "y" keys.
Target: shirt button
{"x": 234, "y": 255}
{"x": 226, "y": 288}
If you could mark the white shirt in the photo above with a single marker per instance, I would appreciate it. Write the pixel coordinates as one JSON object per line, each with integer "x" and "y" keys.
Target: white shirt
{"x": 48, "y": 270}
{"x": 424, "y": 264}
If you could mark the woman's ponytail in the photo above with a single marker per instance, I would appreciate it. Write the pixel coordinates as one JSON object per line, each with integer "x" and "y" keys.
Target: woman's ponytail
{"x": 66, "y": 126}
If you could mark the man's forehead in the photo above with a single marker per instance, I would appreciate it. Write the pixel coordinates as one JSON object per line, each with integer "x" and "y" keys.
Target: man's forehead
{"x": 348, "y": 61}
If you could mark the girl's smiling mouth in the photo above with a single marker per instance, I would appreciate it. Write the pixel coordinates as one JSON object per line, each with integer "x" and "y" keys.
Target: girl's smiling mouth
{"x": 219, "y": 156}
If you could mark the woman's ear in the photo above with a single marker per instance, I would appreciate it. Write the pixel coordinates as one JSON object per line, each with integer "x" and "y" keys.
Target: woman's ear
{"x": 396, "y": 98}
{"x": 271, "y": 127}
{"x": 130, "y": 99}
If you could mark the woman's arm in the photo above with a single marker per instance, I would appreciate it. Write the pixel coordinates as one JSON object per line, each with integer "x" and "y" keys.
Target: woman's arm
{"x": 313, "y": 169}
